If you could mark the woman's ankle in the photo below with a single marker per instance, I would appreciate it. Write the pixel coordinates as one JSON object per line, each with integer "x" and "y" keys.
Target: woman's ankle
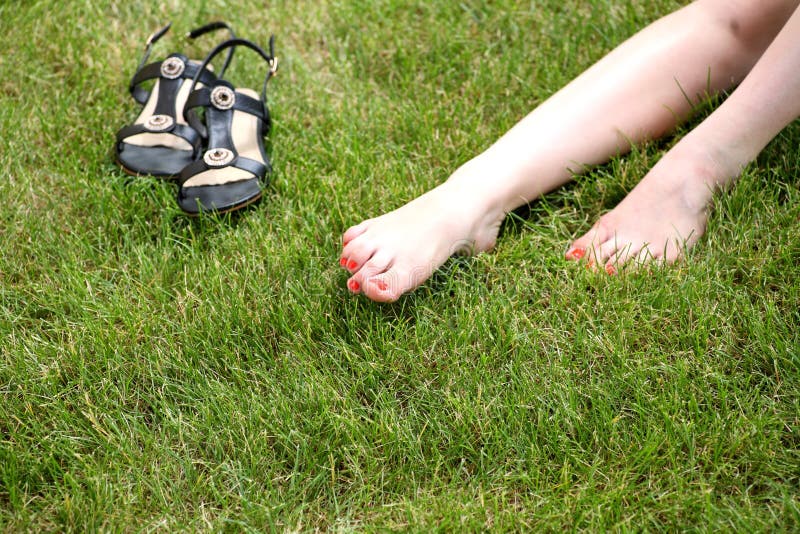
{"x": 487, "y": 184}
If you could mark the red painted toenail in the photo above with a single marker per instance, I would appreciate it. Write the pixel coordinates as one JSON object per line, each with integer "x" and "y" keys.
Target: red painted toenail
{"x": 351, "y": 264}
{"x": 576, "y": 253}
{"x": 590, "y": 264}
{"x": 380, "y": 284}
{"x": 610, "y": 269}
{"x": 343, "y": 261}
{"x": 353, "y": 285}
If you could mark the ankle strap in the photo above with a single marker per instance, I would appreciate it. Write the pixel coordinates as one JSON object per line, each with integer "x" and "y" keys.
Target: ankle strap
{"x": 154, "y": 37}
{"x": 213, "y": 26}
{"x": 194, "y": 34}
{"x": 270, "y": 58}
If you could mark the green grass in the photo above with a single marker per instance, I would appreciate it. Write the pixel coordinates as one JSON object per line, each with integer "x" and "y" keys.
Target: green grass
{"x": 162, "y": 373}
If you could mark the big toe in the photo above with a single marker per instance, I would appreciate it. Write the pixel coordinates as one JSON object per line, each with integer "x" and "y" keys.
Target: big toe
{"x": 581, "y": 246}
{"x": 353, "y": 232}
{"x": 358, "y": 252}
{"x": 388, "y": 286}
{"x": 587, "y": 244}
{"x": 383, "y": 288}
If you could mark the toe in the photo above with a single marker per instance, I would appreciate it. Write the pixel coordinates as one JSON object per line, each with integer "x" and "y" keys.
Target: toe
{"x": 612, "y": 248}
{"x": 649, "y": 255}
{"x": 356, "y": 253}
{"x": 583, "y": 246}
{"x": 575, "y": 252}
{"x": 377, "y": 264}
{"x": 598, "y": 254}
{"x": 384, "y": 287}
{"x": 578, "y": 249}
{"x": 621, "y": 257}
{"x": 353, "y": 232}
{"x": 391, "y": 284}
{"x": 354, "y": 286}
{"x": 674, "y": 250}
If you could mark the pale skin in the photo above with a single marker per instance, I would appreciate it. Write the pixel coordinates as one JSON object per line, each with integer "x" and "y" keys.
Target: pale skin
{"x": 637, "y": 92}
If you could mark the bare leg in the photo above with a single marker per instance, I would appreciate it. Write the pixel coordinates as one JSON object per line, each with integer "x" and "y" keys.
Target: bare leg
{"x": 667, "y": 211}
{"x": 634, "y": 93}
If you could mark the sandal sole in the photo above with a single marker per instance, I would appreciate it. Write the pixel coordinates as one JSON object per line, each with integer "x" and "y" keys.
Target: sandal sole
{"x": 226, "y": 210}
{"x": 137, "y": 174}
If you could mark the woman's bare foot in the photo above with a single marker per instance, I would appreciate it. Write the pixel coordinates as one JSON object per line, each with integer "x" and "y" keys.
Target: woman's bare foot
{"x": 628, "y": 96}
{"x": 663, "y": 216}
{"x": 396, "y": 252}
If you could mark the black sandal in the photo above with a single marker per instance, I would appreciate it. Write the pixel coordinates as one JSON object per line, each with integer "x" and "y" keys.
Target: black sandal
{"x": 230, "y": 173}
{"x": 162, "y": 141}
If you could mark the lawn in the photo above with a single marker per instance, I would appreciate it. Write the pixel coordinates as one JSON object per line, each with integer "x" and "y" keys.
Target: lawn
{"x": 165, "y": 373}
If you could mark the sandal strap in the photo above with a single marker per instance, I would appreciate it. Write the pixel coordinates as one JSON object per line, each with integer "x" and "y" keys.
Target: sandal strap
{"x": 154, "y": 37}
{"x": 153, "y": 71}
{"x": 181, "y": 130}
{"x": 270, "y": 58}
{"x": 140, "y": 95}
{"x": 244, "y": 103}
{"x": 192, "y": 169}
{"x": 258, "y": 169}
{"x": 212, "y": 26}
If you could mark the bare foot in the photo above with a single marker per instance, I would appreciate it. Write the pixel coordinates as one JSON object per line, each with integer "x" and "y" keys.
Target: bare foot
{"x": 396, "y": 252}
{"x": 663, "y": 216}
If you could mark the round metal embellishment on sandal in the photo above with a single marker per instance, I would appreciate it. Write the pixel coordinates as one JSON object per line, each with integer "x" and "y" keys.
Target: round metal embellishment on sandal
{"x": 159, "y": 123}
{"x": 172, "y": 67}
{"x": 223, "y": 97}
{"x": 217, "y": 157}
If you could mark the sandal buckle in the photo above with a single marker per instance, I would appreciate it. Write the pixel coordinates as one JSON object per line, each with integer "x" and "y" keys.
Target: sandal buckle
{"x": 159, "y": 123}
{"x": 217, "y": 157}
{"x": 223, "y": 98}
{"x": 172, "y": 67}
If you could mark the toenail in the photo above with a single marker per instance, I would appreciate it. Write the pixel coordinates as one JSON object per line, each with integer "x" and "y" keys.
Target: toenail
{"x": 590, "y": 264}
{"x": 351, "y": 264}
{"x": 342, "y": 262}
{"x": 380, "y": 284}
{"x": 610, "y": 269}
{"x": 576, "y": 253}
{"x": 353, "y": 285}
